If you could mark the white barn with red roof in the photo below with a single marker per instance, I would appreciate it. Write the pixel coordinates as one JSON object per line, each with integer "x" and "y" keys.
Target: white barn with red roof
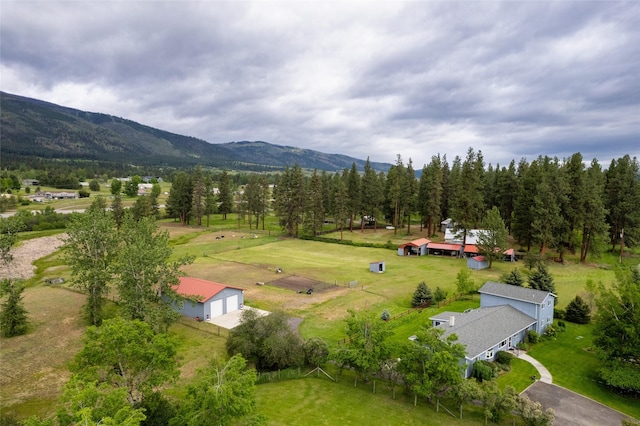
{"x": 213, "y": 299}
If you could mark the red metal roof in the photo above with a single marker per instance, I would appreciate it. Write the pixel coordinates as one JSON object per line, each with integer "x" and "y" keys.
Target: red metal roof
{"x": 470, "y": 248}
{"x": 441, "y": 246}
{"x": 190, "y": 286}
{"x": 479, "y": 258}
{"x": 510, "y": 252}
{"x": 417, "y": 243}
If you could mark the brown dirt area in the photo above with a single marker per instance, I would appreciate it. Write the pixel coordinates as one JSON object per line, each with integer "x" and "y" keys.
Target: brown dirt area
{"x": 26, "y": 252}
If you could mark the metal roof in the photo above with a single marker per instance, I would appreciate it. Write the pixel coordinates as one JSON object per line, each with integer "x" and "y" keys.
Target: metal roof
{"x": 190, "y": 286}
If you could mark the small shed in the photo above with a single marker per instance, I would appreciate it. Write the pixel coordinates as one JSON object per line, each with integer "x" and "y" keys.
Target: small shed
{"x": 377, "y": 267}
{"x": 212, "y": 299}
{"x": 478, "y": 262}
{"x": 510, "y": 255}
{"x": 414, "y": 248}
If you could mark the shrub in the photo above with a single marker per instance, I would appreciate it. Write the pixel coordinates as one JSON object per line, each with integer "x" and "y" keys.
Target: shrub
{"x": 83, "y": 194}
{"x": 482, "y": 371}
{"x": 439, "y": 295}
{"x": 94, "y": 185}
{"x": 561, "y": 325}
{"x": 550, "y": 331}
{"x": 558, "y": 313}
{"x": 385, "y": 315}
{"x": 504, "y": 357}
{"x": 533, "y": 337}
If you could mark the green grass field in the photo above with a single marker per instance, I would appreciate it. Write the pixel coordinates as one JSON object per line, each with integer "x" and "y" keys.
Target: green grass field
{"x": 241, "y": 260}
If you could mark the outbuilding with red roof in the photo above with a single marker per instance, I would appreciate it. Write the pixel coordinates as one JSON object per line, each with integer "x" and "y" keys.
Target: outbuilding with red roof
{"x": 212, "y": 299}
{"x": 414, "y": 248}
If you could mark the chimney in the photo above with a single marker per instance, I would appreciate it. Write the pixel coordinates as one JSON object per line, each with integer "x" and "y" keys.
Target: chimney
{"x": 452, "y": 321}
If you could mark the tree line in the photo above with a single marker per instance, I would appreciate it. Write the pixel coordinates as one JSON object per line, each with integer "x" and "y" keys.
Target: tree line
{"x": 547, "y": 204}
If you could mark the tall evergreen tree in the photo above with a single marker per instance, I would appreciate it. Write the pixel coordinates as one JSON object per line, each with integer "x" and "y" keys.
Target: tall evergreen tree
{"x": 514, "y": 278}
{"x": 371, "y": 194}
{"x": 198, "y": 195}
{"x": 289, "y": 199}
{"x": 507, "y": 191}
{"x": 354, "y": 194}
{"x": 394, "y": 192}
{"x": 468, "y": 202}
{"x": 314, "y": 208}
{"x": 340, "y": 207}
{"x": 422, "y": 296}
{"x": 225, "y": 195}
{"x": 410, "y": 194}
{"x": 594, "y": 213}
{"x": 622, "y": 194}
{"x": 179, "y": 200}
{"x": 547, "y": 220}
{"x": 528, "y": 176}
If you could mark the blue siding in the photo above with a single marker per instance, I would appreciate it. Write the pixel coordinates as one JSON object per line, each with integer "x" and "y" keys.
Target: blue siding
{"x": 542, "y": 313}
{"x": 509, "y": 344}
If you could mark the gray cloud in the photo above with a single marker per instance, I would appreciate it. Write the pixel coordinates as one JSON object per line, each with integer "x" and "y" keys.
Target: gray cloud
{"x": 366, "y": 79}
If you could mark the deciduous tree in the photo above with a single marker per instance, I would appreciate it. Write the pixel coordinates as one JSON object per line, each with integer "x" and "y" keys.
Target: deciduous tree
{"x": 90, "y": 249}
{"x": 128, "y": 355}
{"x": 223, "y": 392}
{"x": 145, "y": 274}
{"x": 493, "y": 238}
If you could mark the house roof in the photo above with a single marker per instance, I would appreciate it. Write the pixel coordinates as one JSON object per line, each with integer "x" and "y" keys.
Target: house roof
{"x": 515, "y": 292}
{"x": 479, "y": 258}
{"x": 417, "y": 243}
{"x": 441, "y": 246}
{"x": 470, "y": 248}
{"x": 484, "y": 328}
{"x": 203, "y": 289}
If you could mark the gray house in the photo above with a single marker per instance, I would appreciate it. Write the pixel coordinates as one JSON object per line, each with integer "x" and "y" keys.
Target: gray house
{"x": 212, "y": 299}
{"x": 506, "y": 314}
{"x": 485, "y": 331}
{"x": 535, "y": 303}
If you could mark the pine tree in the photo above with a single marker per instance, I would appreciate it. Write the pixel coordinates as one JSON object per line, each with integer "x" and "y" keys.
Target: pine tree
{"x": 541, "y": 279}
{"x": 514, "y": 278}
{"x": 13, "y": 318}
{"x": 578, "y": 311}
{"x": 422, "y": 296}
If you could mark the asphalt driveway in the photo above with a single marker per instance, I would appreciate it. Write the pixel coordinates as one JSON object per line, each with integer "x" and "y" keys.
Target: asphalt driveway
{"x": 572, "y": 408}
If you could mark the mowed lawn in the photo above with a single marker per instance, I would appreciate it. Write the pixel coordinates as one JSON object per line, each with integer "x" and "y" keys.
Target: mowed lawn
{"x": 572, "y": 362}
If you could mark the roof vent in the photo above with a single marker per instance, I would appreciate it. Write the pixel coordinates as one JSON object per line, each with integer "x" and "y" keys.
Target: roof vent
{"x": 452, "y": 321}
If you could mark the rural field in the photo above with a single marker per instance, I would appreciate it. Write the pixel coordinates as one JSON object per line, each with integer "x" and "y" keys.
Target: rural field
{"x": 34, "y": 366}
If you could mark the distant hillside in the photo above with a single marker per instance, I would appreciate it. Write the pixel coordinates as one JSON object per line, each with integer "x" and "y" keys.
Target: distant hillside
{"x": 31, "y": 128}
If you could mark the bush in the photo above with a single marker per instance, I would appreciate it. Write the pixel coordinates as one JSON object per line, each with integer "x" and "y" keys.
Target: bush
{"x": 504, "y": 357}
{"x": 533, "y": 337}
{"x": 558, "y": 313}
{"x": 94, "y": 185}
{"x": 550, "y": 331}
{"x": 482, "y": 371}
{"x": 83, "y": 194}
{"x": 439, "y": 295}
{"x": 385, "y": 315}
{"x": 561, "y": 325}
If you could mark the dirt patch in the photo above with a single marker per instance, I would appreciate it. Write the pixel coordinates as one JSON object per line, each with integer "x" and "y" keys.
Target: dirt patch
{"x": 301, "y": 284}
{"x": 26, "y": 252}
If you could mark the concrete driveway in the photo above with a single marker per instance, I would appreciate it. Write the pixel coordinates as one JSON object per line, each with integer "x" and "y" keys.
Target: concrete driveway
{"x": 232, "y": 319}
{"x": 572, "y": 408}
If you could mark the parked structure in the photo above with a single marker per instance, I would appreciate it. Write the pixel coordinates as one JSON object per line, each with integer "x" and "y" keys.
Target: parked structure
{"x": 454, "y": 250}
{"x": 414, "y": 248}
{"x": 212, "y": 299}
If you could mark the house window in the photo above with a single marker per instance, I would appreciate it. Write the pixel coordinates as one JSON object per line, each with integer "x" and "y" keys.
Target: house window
{"x": 489, "y": 354}
{"x": 503, "y": 343}
{"x": 548, "y": 320}
{"x": 549, "y": 302}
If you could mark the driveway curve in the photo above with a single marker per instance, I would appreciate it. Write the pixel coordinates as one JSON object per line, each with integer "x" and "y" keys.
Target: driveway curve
{"x": 545, "y": 376}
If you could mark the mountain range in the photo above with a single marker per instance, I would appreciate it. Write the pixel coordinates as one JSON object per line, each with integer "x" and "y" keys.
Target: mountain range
{"x": 33, "y": 128}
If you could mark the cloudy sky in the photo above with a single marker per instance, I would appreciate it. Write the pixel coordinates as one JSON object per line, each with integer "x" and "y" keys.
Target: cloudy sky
{"x": 362, "y": 78}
